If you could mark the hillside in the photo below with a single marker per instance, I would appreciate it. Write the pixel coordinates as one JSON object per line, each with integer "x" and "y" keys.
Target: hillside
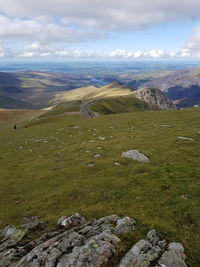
{"x": 33, "y": 87}
{"x": 12, "y": 103}
{"x": 60, "y": 165}
{"x": 118, "y": 105}
{"x": 91, "y": 92}
{"x": 152, "y": 96}
{"x": 9, "y": 117}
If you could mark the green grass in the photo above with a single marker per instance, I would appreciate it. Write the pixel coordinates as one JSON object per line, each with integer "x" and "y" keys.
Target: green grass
{"x": 164, "y": 194}
{"x": 117, "y": 105}
{"x": 70, "y": 106}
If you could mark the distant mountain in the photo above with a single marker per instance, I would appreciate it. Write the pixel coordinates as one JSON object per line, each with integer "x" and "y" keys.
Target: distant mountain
{"x": 182, "y": 86}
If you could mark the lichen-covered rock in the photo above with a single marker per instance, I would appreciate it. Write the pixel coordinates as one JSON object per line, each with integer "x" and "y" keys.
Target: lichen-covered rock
{"x": 173, "y": 256}
{"x": 144, "y": 252}
{"x": 96, "y": 252}
{"x": 95, "y": 243}
{"x": 74, "y": 220}
{"x": 135, "y": 155}
{"x": 124, "y": 225}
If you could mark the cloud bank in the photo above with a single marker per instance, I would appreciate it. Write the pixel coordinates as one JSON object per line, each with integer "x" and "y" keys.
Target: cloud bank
{"x": 38, "y": 50}
{"x": 104, "y": 14}
{"x": 40, "y": 25}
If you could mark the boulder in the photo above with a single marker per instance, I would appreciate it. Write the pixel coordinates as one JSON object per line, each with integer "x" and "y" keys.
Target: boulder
{"x": 135, "y": 155}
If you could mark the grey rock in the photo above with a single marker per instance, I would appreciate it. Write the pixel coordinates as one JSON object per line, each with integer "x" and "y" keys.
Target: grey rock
{"x": 116, "y": 163}
{"x": 154, "y": 97}
{"x": 31, "y": 223}
{"x": 185, "y": 138}
{"x": 124, "y": 225}
{"x": 8, "y": 231}
{"x": 144, "y": 252}
{"x": 153, "y": 237}
{"x": 74, "y": 220}
{"x": 101, "y": 138}
{"x": 94, "y": 243}
{"x": 135, "y": 155}
{"x": 96, "y": 156}
{"x": 173, "y": 256}
{"x": 96, "y": 252}
{"x": 91, "y": 164}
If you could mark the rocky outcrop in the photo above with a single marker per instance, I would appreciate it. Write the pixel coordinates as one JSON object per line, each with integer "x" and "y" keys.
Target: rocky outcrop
{"x": 155, "y": 98}
{"x": 81, "y": 243}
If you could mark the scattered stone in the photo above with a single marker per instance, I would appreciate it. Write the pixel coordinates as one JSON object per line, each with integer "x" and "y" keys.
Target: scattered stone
{"x": 87, "y": 151}
{"x": 101, "y": 138}
{"x": 76, "y": 127}
{"x": 135, "y": 155}
{"x": 92, "y": 141}
{"x": 185, "y": 138}
{"x": 116, "y": 163}
{"x": 96, "y": 156}
{"x": 41, "y": 141}
{"x": 21, "y": 147}
{"x": 91, "y": 164}
{"x": 99, "y": 147}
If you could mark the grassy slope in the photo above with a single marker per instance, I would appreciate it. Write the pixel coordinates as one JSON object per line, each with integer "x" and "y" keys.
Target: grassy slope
{"x": 164, "y": 194}
{"x": 118, "y": 105}
{"x": 71, "y": 106}
{"x": 8, "y": 117}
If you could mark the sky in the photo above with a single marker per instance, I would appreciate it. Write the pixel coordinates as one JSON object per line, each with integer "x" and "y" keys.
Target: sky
{"x": 106, "y": 29}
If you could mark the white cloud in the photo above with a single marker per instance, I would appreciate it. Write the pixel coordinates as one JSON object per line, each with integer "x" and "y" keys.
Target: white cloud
{"x": 43, "y": 32}
{"x": 36, "y": 49}
{"x": 105, "y": 14}
{"x": 193, "y": 42}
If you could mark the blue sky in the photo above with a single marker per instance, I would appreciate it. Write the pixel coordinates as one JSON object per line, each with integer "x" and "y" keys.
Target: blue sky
{"x": 99, "y": 29}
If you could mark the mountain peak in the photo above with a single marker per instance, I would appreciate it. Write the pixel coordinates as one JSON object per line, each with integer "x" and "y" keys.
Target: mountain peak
{"x": 154, "y": 97}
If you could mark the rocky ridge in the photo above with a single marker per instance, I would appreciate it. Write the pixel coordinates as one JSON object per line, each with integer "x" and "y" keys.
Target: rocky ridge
{"x": 154, "y": 97}
{"x": 80, "y": 243}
